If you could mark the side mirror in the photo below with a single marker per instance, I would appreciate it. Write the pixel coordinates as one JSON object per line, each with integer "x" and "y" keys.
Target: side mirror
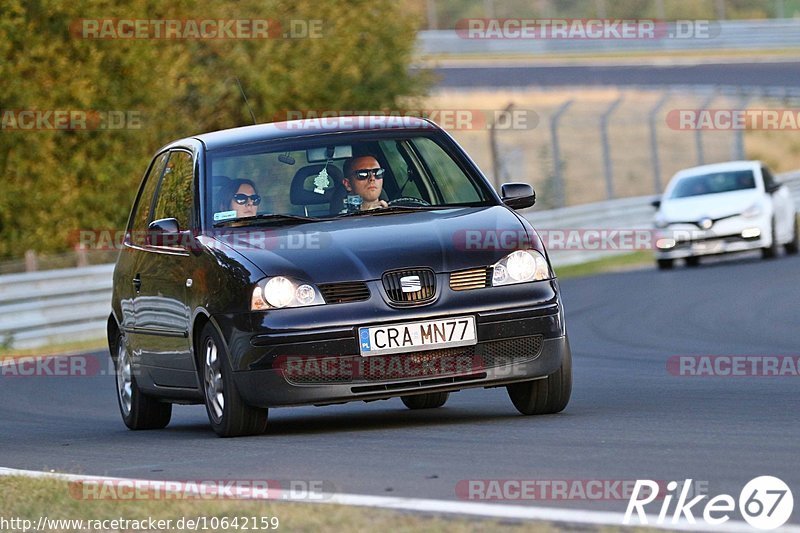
{"x": 164, "y": 232}
{"x": 656, "y": 202}
{"x": 517, "y": 195}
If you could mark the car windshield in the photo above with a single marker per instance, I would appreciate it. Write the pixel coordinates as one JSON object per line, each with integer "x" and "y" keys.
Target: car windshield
{"x": 714, "y": 183}
{"x": 302, "y": 180}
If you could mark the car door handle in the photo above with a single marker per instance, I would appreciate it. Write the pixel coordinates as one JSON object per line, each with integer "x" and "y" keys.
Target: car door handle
{"x": 137, "y": 283}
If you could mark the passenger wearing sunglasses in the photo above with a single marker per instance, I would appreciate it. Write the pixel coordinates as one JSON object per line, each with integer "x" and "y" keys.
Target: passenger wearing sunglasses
{"x": 363, "y": 176}
{"x": 240, "y": 196}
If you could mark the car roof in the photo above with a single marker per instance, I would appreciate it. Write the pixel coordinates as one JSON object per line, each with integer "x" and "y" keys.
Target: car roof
{"x": 309, "y": 127}
{"x": 718, "y": 167}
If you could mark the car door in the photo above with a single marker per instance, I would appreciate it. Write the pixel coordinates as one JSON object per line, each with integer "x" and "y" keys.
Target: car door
{"x": 162, "y": 316}
{"x": 782, "y": 205}
{"x": 125, "y": 280}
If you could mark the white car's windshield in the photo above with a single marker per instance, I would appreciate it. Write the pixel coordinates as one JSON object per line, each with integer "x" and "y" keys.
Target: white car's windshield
{"x": 311, "y": 179}
{"x": 713, "y": 183}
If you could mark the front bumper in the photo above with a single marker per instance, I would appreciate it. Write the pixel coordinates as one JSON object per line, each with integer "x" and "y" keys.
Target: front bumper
{"x": 727, "y": 236}
{"x": 273, "y": 388}
{"x": 278, "y": 360}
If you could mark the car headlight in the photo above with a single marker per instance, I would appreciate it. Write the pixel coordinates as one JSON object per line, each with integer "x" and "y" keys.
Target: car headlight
{"x": 753, "y": 211}
{"x": 519, "y": 267}
{"x": 280, "y": 292}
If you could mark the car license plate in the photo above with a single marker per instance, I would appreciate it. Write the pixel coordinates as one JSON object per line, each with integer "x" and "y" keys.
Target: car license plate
{"x": 415, "y": 336}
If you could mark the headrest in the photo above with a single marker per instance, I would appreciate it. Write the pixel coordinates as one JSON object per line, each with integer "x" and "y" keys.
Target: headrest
{"x": 310, "y": 186}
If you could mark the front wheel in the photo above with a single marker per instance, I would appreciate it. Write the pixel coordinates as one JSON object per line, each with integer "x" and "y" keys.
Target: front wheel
{"x": 664, "y": 264}
{"x": 771, "y": 251}
{"x": 429, "y": 400}
{"x": 793, "y": 246}
{"x": 547, "y": 395}
{"x": 138, "y": 410}
{"x": 228, "y": 414}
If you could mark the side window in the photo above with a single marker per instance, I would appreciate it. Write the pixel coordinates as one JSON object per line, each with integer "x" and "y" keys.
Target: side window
{"x": 175, "y": 193}
{"x": 454, "y": 185}
{"x": 141, "y": 214}
{"x": 399, "y": 169}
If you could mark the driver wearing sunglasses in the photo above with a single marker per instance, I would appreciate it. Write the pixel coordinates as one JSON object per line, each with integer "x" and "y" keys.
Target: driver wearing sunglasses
{"x": 363, "y": 176}
{"x": 240, "y": 196}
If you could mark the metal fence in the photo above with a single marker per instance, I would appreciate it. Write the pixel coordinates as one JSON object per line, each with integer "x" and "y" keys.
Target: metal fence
{"x": 590, "y": 145}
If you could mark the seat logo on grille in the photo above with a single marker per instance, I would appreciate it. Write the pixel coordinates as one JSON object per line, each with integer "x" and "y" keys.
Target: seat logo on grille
{"x": 410, "y": 284}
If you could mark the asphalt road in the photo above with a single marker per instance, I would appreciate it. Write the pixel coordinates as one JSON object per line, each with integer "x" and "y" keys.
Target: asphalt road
{"x": 763, "y": 74}
{"x": 629, "y": 417}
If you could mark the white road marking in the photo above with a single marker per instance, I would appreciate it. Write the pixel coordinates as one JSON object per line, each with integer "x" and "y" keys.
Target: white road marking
{"x": 486, "y": 510}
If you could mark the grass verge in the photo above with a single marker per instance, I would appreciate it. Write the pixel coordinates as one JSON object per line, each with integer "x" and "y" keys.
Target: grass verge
{"x": 63, "y": 348}
{"x": 30, "y": 499}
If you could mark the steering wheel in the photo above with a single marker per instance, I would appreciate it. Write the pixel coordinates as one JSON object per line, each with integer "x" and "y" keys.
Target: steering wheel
{"x": 409, "y": 201}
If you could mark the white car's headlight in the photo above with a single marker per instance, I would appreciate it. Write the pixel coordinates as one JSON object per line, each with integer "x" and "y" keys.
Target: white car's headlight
{"x": 280, "y": 292}
{"x": 519, "y": 267}
{"x": 753, "y": 211}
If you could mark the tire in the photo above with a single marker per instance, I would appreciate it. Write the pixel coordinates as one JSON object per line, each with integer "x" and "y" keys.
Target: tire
{"x": 429, "y": 400}
{"x": 228, "y": 414}
{"x": 138, "y": 410}
{"x": 692, "y": 261}
{"x": 544, "y": 396}
{"x": 664, "y": 264}
{"x": 793, "y": 246}
{"x": 771, "y": 251}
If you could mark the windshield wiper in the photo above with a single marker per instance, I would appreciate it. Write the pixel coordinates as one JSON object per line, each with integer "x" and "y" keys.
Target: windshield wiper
{"x": 394, "y": 209}
{"x": 261, "y": 220}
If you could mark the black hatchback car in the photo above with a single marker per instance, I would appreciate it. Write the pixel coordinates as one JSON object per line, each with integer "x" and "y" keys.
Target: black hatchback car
{"x": 312, "y": 262}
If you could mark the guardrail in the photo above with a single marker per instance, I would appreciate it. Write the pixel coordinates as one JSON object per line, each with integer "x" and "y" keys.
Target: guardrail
{"x": 722, "y": 35}
{"x": 66, "y": 305}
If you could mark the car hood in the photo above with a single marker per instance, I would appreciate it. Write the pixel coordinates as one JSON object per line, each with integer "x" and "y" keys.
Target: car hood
{"x": 714, "y": 206}
{"x": 364, "y": 247}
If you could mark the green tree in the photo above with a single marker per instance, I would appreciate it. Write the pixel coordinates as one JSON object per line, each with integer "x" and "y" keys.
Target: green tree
{"x": 54, "y": 182}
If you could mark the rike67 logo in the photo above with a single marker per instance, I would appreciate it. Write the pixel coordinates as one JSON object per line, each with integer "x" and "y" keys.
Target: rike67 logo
{"x": 765, "y": 502}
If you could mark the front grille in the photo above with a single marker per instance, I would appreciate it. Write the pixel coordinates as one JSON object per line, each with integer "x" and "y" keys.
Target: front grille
{"x": 336, "y": 293}
{"x": 400, "y": 285}
{"x": 432, "y": 363}
{"x": 475, "y": 278}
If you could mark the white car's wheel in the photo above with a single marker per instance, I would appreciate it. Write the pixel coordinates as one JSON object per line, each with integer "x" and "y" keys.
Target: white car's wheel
{"x": 768, "y": 252}
{"x": 793, "y": 246}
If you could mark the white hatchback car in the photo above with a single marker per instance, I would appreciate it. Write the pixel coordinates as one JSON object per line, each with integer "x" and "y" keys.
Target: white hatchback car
{"x": 721, "y": 208}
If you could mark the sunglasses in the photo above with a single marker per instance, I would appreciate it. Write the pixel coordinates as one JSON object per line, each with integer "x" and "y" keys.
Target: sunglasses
{"x": 241, "y": 199}
{"x": 365, "y": 173}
